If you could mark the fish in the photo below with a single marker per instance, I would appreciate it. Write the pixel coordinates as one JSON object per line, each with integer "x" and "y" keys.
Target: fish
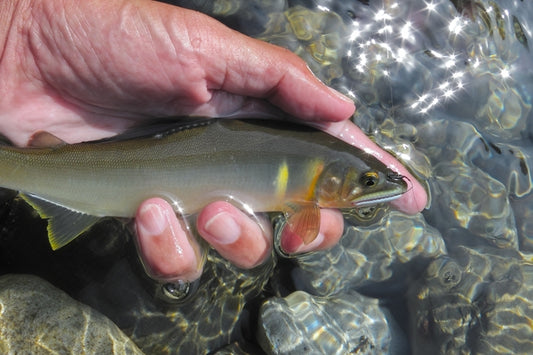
{"x": 260, "y": 165}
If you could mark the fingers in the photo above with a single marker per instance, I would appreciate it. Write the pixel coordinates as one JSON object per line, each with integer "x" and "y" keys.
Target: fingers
{"x": 234, "y": 235}
{"x": 331, "y": 230}
{"x": 411, "y": 202}
{"x": 253, "y": 68}
{"x": 165, "y": 249}
{"x": 168, "y": 254}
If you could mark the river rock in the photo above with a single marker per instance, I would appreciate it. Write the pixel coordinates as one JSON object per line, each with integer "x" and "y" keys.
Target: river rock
{"x": 300, "y": 323}
{"x": 37, "y": 318}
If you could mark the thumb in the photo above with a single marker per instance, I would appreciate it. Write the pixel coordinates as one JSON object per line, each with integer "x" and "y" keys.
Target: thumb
{"x": 241, "y": 65}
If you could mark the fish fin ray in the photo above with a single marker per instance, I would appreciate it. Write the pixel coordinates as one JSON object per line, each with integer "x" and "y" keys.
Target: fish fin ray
{"x": 303, "y": 219}
{"x": 64, "y": 225}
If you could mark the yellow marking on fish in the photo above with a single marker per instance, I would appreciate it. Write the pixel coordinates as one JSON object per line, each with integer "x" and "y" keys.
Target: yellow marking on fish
{"x": 314, "y": 170}
{"x": 282, "y": 180}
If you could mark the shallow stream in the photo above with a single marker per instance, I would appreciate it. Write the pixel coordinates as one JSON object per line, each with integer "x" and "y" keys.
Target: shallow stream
{"x": 447, "y": 87}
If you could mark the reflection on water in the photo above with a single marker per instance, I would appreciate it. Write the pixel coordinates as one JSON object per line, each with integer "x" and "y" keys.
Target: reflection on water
{"x": 445, "y": 85}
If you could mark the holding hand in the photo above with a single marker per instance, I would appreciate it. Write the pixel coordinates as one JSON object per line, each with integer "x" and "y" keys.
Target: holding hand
{"x": 88, "y": 70}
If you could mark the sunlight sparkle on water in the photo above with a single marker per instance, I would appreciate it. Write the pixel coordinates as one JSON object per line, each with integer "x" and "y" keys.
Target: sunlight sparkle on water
{"x": 456, "y": 25}
{"x": 386, "y": 46}
{"x": 405, "y": 31}
{"x": 356, "y": 33}
{"x": 430, "y": 6}
{"x": 448, "y": 93}
{"x": 401, "y": 55}
{"x": 450, "y": 63}
{"x": 458, "y": 75}
{"x": 506, "y": 12}
{"x": 362, "y": 59}
{"x": 385, "y": 29}
{"x": 420, "y": 100}
{"x": 505, "y": 73}
{"x": 381, "y": 15}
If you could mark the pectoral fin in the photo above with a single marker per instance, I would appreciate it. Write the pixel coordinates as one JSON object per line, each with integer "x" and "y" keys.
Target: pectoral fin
{"x": 64, "y": 225}
{"x": 303, "y": 219}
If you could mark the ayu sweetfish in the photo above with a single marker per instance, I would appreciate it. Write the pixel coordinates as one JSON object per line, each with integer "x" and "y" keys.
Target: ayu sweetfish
{"x": 262, "y": 165}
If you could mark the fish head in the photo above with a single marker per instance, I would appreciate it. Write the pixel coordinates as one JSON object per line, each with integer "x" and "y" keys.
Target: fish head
{"x": 342, "y": 186}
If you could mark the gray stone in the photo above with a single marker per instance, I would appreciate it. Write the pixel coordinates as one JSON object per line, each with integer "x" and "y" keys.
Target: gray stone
{"x": 37, "y": 318}
{"x": 473, "y": 301}
{"x": 342, "y": 324}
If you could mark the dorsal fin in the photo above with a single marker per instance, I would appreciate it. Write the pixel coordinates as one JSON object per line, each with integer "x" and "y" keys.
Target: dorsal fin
{"x": 43, "y": 139}
{"x": 158, "y": 128}
{"x": 64, "y": 224}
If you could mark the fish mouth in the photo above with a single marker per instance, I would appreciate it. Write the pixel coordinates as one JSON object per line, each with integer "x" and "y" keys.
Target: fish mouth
{"x": 396, "y": 187}
{"x": 379, "y": 197}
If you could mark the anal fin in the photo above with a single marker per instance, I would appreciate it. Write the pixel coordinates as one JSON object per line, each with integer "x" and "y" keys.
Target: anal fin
{"x": 303, "y": 219}
{"x": 64, "y": 224}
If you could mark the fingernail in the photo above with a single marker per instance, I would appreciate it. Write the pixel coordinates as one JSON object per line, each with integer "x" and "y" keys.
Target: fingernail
{"x": 293, "y": 244}
{"x": 223, "y": 228}
{"x": 311, "y": 246}
{"x": 152, "y": 220}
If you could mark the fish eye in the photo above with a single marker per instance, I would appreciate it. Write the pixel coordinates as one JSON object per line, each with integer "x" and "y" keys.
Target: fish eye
{"x": 370, "y": 179}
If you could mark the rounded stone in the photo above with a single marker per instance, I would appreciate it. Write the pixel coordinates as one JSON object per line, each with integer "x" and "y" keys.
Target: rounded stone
{"x": 37, "y": 318}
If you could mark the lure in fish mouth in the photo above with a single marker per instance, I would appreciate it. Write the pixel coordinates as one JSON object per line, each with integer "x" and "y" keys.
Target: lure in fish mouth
{"x": 270, "y": 165}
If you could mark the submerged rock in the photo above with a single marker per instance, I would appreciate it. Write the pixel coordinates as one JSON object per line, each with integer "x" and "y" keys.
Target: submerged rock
{"x": 347, "y": 323}
{"x": 368, "y": 254}
{"x": 238, "y": 348}
{"x": 473, "y": 301}
{"x": 214, "y": 315}
{"x": 473, "y": 200}
{"x": 37, "y": 318}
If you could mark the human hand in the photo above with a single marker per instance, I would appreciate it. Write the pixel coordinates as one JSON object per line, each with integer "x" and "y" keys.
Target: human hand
{"x": 88, "y": 70}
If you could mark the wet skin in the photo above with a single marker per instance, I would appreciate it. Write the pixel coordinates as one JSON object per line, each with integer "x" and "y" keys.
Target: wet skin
{"x": 89, "y": 70}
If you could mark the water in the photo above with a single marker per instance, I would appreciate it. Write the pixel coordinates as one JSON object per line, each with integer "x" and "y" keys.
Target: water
{"x": 446, "y": 86}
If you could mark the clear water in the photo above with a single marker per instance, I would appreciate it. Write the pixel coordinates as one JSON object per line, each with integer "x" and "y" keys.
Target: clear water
{"x": 444, "y": 85}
